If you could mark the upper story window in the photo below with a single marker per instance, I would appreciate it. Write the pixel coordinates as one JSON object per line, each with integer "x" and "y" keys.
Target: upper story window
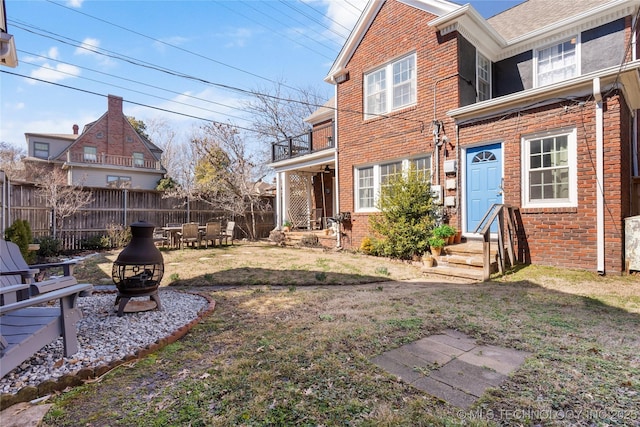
{"x": 549, "y": 170}
{"x": 41, "y": 150}
{"x": 391, "y": 87}
{"x": 483, "y": 77}
{"x": 118, "y": 181}
{"x": 90, "y": 154}
{"x": 557, "y": 63}
{"x": 138, "y": 159}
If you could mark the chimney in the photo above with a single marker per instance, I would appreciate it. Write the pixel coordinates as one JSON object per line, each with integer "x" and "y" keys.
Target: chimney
{"x": 75, "y": 129}
{"x": 115, "y": 130}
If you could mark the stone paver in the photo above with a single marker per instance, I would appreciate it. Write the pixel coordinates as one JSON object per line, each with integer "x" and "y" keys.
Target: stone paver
{"x": 455, "y": 368}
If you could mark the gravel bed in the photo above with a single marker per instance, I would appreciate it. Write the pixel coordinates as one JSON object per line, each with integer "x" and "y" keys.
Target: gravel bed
{"x": 104, "y": 337}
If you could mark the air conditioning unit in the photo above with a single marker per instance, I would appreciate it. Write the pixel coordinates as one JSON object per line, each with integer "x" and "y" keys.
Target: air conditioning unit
{"x": 436, "y": 194}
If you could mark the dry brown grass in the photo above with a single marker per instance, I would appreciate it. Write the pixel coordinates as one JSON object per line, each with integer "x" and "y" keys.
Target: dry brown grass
{"x": 288, "y": 345}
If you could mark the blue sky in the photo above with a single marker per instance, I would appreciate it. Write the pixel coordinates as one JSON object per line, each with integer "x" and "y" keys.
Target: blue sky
{"x": 179, "y": 56}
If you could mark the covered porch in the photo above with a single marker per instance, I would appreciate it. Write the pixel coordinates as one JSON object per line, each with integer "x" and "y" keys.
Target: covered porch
{"x": 306, "y": 195}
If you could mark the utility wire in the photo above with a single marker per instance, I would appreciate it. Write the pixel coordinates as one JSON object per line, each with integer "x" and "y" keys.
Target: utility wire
{"x": 290, "y": 6}
{"x": 143, "y": 93}
{"x": 135, "y": 81}
{"x": 169, "y": 44}
{"x": 251, "y": 93}
{"x": 326, "y": 16}
{"x": 234, "y": 10}
{"x": 137, "y": 103}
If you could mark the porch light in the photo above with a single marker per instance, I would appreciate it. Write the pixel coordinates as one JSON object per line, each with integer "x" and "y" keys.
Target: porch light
{"x": 327, "y": 169}
{"x": 330, "y": 141}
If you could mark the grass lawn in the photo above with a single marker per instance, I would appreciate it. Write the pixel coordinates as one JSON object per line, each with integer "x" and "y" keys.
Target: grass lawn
{"x": 293, "y": 332}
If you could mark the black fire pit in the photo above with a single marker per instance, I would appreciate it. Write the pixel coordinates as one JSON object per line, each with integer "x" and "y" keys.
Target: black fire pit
{"x": 139, "y": 268}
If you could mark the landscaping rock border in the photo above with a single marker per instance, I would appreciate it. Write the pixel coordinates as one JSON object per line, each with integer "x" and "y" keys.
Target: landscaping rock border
{"x": 81, "y": 376}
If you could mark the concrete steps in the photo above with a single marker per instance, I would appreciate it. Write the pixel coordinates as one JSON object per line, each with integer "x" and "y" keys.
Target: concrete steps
{"x": 464, "y": 260}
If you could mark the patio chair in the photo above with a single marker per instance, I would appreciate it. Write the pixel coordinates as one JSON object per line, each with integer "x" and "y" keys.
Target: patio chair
{"x": 160, "y": 237}
{"x": 190, "y": 235}
{"x": 228, "y": 233}
{"x": 212, "y": 233}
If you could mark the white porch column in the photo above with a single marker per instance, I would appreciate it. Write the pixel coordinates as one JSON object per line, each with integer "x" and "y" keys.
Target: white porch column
{"x": 285, "y": 186}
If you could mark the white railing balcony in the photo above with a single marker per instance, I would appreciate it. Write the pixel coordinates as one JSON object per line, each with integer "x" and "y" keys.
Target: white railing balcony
{"x": 113, "y": 160}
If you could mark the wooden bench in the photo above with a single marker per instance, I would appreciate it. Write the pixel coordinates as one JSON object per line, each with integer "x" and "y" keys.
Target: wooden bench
{"x": 28, "y": 322}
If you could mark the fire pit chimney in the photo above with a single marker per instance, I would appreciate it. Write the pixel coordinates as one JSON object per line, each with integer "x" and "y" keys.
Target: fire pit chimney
{"x": 139, "y": 268}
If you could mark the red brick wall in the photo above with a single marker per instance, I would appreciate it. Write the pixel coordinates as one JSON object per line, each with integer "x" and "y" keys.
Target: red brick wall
{"x": 115, "y": 129}
{"x": 566, "y": 237}
{"x": 397, "y": 30}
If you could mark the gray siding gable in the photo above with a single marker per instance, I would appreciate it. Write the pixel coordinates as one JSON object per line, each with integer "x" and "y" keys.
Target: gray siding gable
{"x": 601, "y": 47}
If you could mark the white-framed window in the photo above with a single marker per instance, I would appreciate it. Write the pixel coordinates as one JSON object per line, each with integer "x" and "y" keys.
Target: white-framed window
{"x": 483, "y": 77}
{"x": 391, "y": 87}
{"x": 138, "y": 159}
{"x": 550, "y": 170}
{"x": 41, "y": 150}
{"x": 422, "y": 166}
{"x": 366, "y": 188}
{"x": 558, "y": 62}
{"x": 370, "y": 179}
{"x": 90, "y": 154}
{"x": 118, "y": 181}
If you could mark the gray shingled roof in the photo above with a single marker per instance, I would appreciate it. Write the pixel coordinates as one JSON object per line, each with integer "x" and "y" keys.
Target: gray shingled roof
{"x": 534, "y": 14}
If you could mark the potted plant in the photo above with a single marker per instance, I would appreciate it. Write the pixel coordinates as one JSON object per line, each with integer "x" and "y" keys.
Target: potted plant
{"x": 436, "y": 243}
{"x": 427, "y": 259}
{"x": 286, "y": 225}
{"x": 444, "y": 231}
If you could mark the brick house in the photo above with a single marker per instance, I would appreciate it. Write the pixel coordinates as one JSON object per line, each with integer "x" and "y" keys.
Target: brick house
{"x": 107, "y": 153}
{"x": 535, "y": 108}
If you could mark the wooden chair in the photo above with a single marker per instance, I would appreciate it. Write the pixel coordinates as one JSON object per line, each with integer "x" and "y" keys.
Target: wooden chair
{"x": 190, "y": 235}
{"x": 212, "y": 233}
{"x": 160, "y": 237}
{"x": 27, "y": 321}
{"x": 228, "y": 233}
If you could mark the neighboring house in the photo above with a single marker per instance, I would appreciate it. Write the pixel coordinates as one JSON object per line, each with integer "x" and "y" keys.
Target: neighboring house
{"x": 535, "y": 108}
{"x": 108, "y": 153}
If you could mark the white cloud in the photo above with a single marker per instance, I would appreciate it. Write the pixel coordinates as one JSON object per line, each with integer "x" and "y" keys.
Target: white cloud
{"x": 161, "y": 45}
{"x": 343, "y": 14}
{"x": 55, "y": 73}
{"x": 239, "y": 37}
{"x": 88, "y": 46}
{"x": 53, "y": 53}
{"x": 75, "y": 3}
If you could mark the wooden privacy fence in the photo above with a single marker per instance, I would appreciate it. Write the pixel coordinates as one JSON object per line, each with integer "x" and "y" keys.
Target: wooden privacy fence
{"x": 117, "y": 206}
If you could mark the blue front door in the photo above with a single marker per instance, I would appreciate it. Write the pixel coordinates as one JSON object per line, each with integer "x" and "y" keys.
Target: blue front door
{"x": 484, "y": 182}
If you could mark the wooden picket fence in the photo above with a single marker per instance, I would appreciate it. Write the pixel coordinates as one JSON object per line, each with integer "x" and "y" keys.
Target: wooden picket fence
{"x": 115, "y": 206}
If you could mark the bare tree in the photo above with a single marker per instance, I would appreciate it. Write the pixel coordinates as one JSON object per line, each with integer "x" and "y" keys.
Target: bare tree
{"x": 279, "y": 112}
{"x": 226, "y": 172}
{"x": 64, "y": 200}
{"x": 164, "y": 136}
{"x": 11, "y": 160}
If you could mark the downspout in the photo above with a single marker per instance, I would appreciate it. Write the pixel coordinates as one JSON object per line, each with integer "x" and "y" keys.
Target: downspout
{"x": 634, "y": 138}
{"x": 599, "y": 177}
{"x": 458, "y": 180}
